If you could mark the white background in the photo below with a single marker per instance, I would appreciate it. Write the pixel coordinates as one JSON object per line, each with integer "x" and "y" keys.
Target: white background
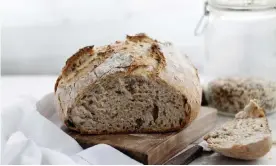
{"x": 38, "y": 36}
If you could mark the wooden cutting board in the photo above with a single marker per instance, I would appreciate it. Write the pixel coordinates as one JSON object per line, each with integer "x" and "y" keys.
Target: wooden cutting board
{"x": 153, "y": 148}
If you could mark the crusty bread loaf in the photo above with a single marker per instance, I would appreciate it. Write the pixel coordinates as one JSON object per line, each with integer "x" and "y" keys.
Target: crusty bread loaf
{"x": 131, "y": 86}
{"x": 246, "y": 137}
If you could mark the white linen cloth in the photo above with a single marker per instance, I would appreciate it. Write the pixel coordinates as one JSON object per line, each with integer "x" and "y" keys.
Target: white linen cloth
{"x": 31, "y": 134}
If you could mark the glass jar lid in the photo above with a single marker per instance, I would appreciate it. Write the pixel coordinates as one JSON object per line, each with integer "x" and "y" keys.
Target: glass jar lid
{"x": 243, "y": 4}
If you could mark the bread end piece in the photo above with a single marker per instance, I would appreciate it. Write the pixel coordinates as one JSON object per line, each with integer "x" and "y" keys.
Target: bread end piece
{"x": 246, "y": 137}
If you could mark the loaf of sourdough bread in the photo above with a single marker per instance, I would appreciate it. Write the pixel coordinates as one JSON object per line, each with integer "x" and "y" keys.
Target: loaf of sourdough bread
{"x": 132, "y": 86}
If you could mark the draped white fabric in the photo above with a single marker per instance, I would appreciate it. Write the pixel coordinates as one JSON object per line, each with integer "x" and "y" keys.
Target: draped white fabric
{"x": 28, "y": 137}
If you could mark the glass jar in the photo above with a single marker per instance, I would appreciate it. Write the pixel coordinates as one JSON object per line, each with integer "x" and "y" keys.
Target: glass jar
{"x": 240, "y": 42}
{"x": 240, "y": 38}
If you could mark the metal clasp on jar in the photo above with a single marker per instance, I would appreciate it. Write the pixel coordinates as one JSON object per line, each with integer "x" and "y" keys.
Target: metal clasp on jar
{"x": 203, "y": 22}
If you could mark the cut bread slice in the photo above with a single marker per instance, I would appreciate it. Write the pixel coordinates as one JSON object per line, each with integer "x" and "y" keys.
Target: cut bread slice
{"x": 246, "y": 137}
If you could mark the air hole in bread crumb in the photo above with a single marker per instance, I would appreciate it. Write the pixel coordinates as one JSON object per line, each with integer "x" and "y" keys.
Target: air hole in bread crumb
{"x": 92, "y": 112}
{"x": 144, "y": 112}
{"x": 180, "y": 121}
{"x": 114, "y": 115}
{"x": 118, "y": 92}
{"x": 155, "y": 112}
{"x": 139, "y": 122}
{"x": 130, "y": 86}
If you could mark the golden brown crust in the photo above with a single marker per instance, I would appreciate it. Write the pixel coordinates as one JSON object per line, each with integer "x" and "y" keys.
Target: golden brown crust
{"x": 57, "y": 81}
{"x": 107, "y": 50}
{"x": 70, "y": 64}
{"x": 158, "y": 55}
{"x": 252, "y": 151}
{"x": 141, "y": 37}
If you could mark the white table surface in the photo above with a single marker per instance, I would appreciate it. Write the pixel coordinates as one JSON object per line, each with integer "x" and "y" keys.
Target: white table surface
{"x": 13, "y": 87}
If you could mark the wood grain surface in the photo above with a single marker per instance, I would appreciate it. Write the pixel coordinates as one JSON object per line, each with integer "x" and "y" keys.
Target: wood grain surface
{"x": 153, "y": 148}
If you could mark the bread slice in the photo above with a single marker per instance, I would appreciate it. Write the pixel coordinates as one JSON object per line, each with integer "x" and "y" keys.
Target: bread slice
{"x": 246, "y": 137}
{"x": 132, "y": 86}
